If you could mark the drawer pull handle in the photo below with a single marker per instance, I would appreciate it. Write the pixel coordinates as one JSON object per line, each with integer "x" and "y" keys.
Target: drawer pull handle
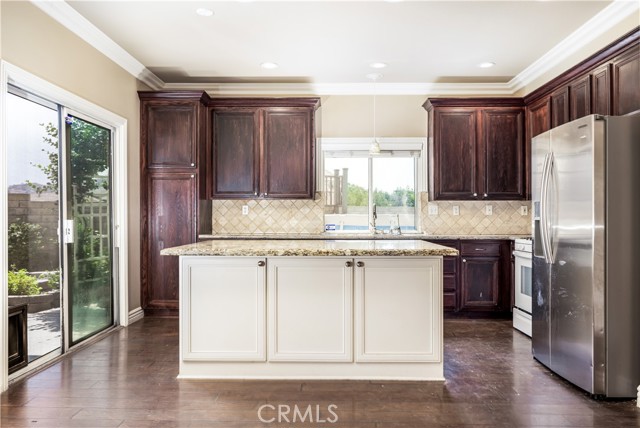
{"x": 261, "y": 263}
{"x": 348, "y": 264}
{"x": 480, "y": 249}
{"x": 360, "y": 264}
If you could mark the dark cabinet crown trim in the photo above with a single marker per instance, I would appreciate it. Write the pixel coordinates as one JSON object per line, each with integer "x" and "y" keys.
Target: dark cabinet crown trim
{"x": 597, "y": 59}
{"x": 473, "y": 102}
{"x": 265, "y": 102}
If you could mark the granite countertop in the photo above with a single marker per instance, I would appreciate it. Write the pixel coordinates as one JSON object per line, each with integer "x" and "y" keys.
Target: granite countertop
{"x": 312, "y": 247}
{"x": 359, "y": 236}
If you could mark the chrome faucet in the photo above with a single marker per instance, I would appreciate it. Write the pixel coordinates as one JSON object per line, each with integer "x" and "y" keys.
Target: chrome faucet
{"x": 374, "y": 217}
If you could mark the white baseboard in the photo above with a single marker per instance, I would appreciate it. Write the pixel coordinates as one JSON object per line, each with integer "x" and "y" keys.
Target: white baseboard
{"x": 135, "y": 315}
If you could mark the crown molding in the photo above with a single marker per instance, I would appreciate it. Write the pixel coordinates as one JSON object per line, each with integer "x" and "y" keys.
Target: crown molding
{"x": 604, "y": 21}
{"x": 246, "y": 89}
{"x": 83, "y": 28}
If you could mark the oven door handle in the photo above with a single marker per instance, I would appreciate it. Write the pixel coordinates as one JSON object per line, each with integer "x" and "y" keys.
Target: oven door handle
{"x": 523, "y": 254}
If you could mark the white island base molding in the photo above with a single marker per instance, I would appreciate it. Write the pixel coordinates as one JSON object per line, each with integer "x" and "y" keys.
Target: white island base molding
{"x": 377, "y": 318}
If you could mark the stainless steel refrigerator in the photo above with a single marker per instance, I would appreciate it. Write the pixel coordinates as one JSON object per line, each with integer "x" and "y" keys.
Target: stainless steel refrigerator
{"x": 586, "y": 253}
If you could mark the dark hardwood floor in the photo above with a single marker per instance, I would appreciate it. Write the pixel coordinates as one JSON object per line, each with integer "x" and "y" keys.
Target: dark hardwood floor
{"x": 129, "y": 380}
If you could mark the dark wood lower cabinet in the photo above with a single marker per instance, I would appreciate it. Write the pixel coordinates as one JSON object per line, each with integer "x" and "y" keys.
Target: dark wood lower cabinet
{"x": 169, "y": 221}
{"x": 481, "y": 283}
{"x": 477, "y": 283}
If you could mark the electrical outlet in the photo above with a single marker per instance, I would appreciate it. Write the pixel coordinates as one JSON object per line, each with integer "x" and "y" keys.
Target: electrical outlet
{"x": 488, "y": 210}
{"x": 524, "y": 210}
{"x": 245, "y": 209}
{"x": 456, "y": 210}
{"x": 433, "y": 209}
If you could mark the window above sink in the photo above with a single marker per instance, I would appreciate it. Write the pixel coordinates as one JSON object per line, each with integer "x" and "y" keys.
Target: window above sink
{"x": 367, "y": 193}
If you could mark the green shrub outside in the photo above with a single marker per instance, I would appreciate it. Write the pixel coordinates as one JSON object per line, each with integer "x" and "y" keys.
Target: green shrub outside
{"x": 25, "y": 241}
{"x": 22, "y": 284}
{"x": 52, "y": 277}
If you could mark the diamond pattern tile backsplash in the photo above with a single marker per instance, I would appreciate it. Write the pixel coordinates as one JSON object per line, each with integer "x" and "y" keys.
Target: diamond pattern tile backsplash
{"x": 307, "y": 216}
{"x": 506, "y": 218}
{"x": 268, "y": 216}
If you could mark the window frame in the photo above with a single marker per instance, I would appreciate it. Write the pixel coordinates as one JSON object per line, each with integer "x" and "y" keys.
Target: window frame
{"x": 360, "y": 148}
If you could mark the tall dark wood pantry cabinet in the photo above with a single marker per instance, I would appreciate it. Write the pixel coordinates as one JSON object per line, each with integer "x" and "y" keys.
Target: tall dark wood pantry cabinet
{"x": 172, "y": 130}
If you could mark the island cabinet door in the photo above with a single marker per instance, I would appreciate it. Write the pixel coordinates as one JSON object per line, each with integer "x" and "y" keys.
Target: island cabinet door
{"x": 310, "y": 309}
{"x": 398, "y": 304}
{"x": 223, "y": 308}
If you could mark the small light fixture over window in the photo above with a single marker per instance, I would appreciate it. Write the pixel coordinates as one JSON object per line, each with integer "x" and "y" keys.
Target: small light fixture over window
{"x": 374, "y": 149}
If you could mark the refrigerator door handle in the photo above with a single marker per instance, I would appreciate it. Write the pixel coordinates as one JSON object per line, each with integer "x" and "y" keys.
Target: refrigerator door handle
{"x": 544, "y": 230}
{"x": 551, "y": 207}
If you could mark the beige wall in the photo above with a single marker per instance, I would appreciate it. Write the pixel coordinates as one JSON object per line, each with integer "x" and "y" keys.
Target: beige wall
{"x": 352, "y": 116}
{"x": 571, "y": 60}
{"x": 38, "y": 44}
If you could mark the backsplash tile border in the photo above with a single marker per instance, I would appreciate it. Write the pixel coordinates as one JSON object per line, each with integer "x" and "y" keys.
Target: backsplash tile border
{"x": 305, "y": 216}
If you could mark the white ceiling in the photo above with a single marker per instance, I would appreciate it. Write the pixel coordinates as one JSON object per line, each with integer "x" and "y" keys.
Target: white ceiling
{"x": 335, "y": 41}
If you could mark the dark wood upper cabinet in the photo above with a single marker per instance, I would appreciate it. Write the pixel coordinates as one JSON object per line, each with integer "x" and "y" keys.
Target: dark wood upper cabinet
{"x": 560, "y": 107}
{"x": 263, "y": 148}
{"x": 171, "y": 129}
{"x": 476, "y": 148}
{"x": 626, "y": 82}
{"x": 502, "y": 166}
{"x": 538, "y": 117}
{"x": 601, "y": 90}
{"x": 580, "y": 97}
{"x": 288, "y": 148}
{"x": 235, "y": 166}
{"x": 454, "y": 151}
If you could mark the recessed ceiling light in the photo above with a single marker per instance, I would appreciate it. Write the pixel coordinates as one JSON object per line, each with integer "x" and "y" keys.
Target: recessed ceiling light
{"x": 486, "y": 64}
{"x": 204, "y": 11}
{"x": 269, "y": 65}
{"x": 377, "y": 65}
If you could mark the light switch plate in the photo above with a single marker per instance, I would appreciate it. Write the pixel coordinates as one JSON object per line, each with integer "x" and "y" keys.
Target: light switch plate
{"x": 524, "y": 210}
{"x": 488, "y": 210}
{"x": 433, "y": 209}
{"x": 456, "y": 210}
{"x": 245, "y": 209}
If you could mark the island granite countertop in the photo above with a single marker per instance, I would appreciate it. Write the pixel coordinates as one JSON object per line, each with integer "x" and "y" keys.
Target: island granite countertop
{"x": 309, "y": 248}
{"x": 359, "y": 236}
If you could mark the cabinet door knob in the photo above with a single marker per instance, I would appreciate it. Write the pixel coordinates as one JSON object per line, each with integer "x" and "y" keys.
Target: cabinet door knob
{"x": 360, "y": 264}
{"x": 255, "y": 193}
{"x": 485, "y": 195}
{"x": 261, "y": 263}
{"x": 348, "y": 264}
{"x": 193, "y": 164}
{"x": 192, "y": 176}
{"x": 265, "y": 193}
{"x": 464, "y": 260}
{"x": 475, "y": 195}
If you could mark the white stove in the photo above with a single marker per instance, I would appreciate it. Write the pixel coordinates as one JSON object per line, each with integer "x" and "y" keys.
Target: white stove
{"x": 522, "y": 286}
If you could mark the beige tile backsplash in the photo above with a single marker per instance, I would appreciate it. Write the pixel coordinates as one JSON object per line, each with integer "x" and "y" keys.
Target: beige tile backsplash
{"x": 268, "y": 216}
{"x": 505, "y": 220}
{"x": 307, "y": 216}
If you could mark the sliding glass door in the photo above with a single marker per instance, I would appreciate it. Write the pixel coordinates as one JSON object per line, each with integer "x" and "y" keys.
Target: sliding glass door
{"x": 88, "y": 227}
{"x": 60, "y": 231}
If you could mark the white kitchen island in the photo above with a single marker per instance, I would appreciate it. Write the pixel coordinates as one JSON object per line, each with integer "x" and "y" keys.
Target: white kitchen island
{"x": 296, "y": 309}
